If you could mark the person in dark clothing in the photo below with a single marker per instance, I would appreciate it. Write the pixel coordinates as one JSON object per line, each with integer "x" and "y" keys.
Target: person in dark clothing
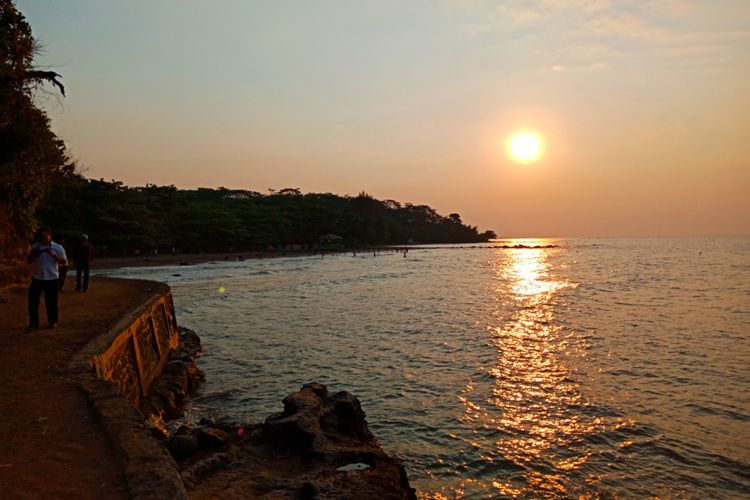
{"x": 62, "y": 270}
{"x": 45, "y": 257}
{"x": 83, "y": 256}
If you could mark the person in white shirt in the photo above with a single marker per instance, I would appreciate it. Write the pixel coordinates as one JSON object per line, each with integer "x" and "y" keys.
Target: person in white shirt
{"x": 45, "y": 257}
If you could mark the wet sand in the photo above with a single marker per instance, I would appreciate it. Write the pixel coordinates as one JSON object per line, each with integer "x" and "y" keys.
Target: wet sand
{"x": 52, "y": 447}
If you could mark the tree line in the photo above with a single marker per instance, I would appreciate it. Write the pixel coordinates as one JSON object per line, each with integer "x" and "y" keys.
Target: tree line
{"x": 39, "y": 185}
{"x": 123, "y": 219}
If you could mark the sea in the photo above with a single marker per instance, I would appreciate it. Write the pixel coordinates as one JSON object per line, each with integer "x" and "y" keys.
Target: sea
{"x": 535, "y": 368}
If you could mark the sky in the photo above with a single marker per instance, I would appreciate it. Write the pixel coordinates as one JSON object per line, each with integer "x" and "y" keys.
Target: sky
{"x": 643, "y": 105}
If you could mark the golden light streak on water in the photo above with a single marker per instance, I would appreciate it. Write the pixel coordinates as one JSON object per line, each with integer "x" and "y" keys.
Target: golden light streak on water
{"x": 533, "y": 391}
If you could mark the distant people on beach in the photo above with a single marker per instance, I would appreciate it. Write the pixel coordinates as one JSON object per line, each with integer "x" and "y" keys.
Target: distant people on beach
{"x": 83, "y": 255}
{"x": 45, "y": 258}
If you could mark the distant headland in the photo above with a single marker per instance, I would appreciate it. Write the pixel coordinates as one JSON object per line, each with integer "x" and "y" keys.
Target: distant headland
{"x": 157, "y": 219}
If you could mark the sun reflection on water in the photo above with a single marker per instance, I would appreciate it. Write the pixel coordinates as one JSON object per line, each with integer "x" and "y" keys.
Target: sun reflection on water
{"x": 533, "y": 392}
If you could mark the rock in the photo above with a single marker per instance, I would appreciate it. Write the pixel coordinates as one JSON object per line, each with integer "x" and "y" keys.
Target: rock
{"x": 207, "y": 421}
{"x": 316, "y": 422}
{"x": 319, "y": 446}
{"x": 345, "y": 416}
{"x": 287, "y": 433}
{"x": 211, "y": 438}
{"x": 190, "y": 342}
{"x": 223, "y": 422}
{"x": 340, "y": 456}
{"x": 353, "y": 467}
{"x": 180, "y": 428}
{"x": 191, "y": 475}
{"x": 180, "y": 377}
{"x": 306, "y": 492}
{"x": 182, "y": 445}
{"x": 157, "y": 428}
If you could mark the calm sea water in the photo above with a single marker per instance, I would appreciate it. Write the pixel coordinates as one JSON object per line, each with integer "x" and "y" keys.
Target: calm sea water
{"x": 599, "y": 368}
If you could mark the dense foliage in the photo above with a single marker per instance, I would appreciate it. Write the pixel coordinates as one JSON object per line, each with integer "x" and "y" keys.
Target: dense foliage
{"x": 120, "y": 218}
{"x": 31, "y": 156}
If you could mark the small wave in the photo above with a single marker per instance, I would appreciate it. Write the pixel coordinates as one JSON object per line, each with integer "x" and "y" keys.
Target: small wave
{"x": 261, "y": 272}
{"x": 702, "y": 409}
{"x": 632, "y": 373}
{"x": 213, "y": 397}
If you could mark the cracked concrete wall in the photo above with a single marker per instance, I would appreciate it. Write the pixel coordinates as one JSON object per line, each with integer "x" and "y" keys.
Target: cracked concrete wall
{"x": 137, "y": 354}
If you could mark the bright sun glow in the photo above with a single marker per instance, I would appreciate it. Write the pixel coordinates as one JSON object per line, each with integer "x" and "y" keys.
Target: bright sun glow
{"x": 524, "y": 147}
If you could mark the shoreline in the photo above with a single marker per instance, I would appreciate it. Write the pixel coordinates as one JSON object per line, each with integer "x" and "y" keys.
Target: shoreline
{"x": 88, "y": 440}
{"x": 190, "y": 259}
{"x": 187, "y": 259}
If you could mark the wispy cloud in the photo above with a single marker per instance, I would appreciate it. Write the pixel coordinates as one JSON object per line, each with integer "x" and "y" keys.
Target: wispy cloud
{"x": 520, "y": 13}
{"x": 639, "y": 27}
{"x": 672, "y": 8}
{"x": 601, "y": 34}
{"x": 625, "y": 25}
{"x": 583, "y": 5}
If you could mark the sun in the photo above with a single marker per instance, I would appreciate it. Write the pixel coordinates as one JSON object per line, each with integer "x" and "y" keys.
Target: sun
{"x": 525, "y": 146}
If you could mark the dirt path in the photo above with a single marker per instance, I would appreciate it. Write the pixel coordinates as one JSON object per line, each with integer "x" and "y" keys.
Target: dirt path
{"x": 50, "y": 444}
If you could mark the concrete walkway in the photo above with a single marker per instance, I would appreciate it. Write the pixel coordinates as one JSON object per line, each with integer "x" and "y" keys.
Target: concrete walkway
{"x": 50, "y": 444}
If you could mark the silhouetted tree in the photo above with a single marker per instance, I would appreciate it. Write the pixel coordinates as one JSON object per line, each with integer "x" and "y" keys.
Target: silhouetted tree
{"x": 31, "y": 156}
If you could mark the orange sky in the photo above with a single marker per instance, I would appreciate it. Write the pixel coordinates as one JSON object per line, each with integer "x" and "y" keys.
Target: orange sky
{"x": 643, "y": 104}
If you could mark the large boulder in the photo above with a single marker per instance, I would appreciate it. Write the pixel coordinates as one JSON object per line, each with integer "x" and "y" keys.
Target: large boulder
{"x": 318, "y": 447}
{"x": 313, "y": 421}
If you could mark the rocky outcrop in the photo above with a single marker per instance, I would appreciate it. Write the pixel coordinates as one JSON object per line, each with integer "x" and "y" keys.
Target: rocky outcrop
{"x": 179, "y": 378}
{"x": 318, "y": 447}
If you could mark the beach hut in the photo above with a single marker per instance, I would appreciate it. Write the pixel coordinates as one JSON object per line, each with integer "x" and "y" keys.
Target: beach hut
{"x": 331, "y": 241}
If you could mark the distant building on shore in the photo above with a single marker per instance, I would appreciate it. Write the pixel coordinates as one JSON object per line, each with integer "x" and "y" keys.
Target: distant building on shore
{"x": 331, "y": 241}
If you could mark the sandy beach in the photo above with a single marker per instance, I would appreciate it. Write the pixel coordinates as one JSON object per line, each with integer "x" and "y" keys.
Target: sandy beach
{"x": 52, "y": 445}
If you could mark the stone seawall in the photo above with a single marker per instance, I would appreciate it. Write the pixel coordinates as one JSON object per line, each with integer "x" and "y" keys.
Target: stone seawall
{"x": 136, "y": 355}
{"x": 116, "y": 371}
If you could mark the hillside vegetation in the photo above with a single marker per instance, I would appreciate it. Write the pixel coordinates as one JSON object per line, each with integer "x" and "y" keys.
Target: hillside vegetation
{"x": 122, "y": 219}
